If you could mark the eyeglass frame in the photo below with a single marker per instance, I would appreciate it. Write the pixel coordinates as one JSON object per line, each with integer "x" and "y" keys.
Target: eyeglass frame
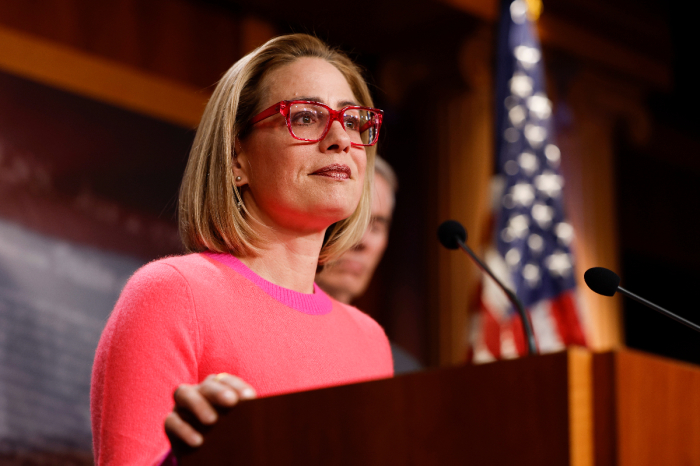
{"x": 283, "y": 107}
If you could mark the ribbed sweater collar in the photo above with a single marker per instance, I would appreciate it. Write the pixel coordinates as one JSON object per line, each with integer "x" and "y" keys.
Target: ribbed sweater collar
{"x": 317, "y": 303}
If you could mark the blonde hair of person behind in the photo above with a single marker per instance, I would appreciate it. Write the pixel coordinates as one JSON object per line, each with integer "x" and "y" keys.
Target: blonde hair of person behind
{"x": 208, "y": 216}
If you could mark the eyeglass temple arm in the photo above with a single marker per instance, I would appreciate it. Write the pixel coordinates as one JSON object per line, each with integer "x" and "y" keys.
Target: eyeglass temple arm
{"x": 374, "y": 121}
{"x": 275, "y": 109}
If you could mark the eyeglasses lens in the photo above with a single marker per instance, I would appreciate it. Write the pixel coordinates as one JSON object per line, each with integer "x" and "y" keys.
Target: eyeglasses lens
{"x": 309, "y": 122}
{"x": 361, "y": 125}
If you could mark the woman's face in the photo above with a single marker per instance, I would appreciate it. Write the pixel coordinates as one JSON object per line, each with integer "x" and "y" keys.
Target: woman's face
{"x": 289, "y": 183}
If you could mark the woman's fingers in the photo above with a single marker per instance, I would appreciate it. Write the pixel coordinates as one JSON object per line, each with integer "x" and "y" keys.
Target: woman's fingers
{"x": 216, "y": 390}
{"x": 225, "y": 389}
{"x": 176, "y": 428}
{"x": 190, "y": 398}
{"x": 243, "y": 389}
{"x": 196, "y": 404}
{"x": 219, "y": 393}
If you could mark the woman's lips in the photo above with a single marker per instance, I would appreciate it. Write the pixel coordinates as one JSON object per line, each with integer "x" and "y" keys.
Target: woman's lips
{"x": 336, "y": 171}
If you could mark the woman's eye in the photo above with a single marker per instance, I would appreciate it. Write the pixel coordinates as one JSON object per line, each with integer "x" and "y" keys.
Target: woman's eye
{"x": 304, "y": 118}
{"x": 352, "y": 122}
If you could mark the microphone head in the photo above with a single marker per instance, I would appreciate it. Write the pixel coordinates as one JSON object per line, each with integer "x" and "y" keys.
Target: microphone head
{"x": 449, "y": 232}
{"x": 602, "y": 280}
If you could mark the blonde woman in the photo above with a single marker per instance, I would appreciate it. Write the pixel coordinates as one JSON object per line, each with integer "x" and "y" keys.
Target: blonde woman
{"x": 284, "y": 151}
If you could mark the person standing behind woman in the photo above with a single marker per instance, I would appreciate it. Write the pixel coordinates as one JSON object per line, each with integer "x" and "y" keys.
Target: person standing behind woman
{"x": 284, "y": 150}
{"x": 348, "y": 276}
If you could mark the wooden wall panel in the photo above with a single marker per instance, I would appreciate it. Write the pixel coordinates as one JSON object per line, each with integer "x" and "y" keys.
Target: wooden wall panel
{"x": 159, "y": 57}
{"x": 465, "y": 168}
{"x": 580, "y": 41}
{"x": 191, "y": 42}
{"x": 98, "y": 78}
{"x": 597, "y": 104}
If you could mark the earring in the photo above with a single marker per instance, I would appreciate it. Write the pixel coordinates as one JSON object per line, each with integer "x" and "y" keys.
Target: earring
{"x": 239, "y": 204}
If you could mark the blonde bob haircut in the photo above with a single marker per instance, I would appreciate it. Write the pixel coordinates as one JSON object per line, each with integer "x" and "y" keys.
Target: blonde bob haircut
{"x": 208, "y": 214}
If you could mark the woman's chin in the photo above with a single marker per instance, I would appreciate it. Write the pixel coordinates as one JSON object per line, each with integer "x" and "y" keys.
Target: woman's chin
{"x": 339, "y": 214}
{"x": 323, "y": 218}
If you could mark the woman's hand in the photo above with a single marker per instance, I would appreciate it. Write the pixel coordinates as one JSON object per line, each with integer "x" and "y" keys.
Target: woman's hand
{"x": 196, "y": 404}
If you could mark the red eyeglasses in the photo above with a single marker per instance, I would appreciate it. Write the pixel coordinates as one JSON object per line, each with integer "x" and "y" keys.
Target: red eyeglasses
{"x": 310, "y": 121}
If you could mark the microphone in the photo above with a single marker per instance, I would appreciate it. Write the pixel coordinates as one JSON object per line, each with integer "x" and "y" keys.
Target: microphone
{"x": 452, "y": 235}
{"x": 606, "y": 282}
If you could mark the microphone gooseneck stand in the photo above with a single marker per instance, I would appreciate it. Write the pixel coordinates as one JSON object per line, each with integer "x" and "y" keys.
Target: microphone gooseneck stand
{"x": 452, "y": 235}
{"x": 529, "y": 334}
{"x": 606, "y": 282}
{"x": 660, "y": 309}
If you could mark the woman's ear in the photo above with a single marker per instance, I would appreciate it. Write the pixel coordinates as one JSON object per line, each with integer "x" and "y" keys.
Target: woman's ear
{"x": 239, "y": 164}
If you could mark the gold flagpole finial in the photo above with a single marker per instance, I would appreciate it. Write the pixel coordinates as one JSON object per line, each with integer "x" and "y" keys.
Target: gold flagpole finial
{"x": 534, "y": 9}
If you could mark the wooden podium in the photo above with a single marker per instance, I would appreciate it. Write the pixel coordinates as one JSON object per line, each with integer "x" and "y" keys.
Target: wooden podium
{"x": 570, "y": 408}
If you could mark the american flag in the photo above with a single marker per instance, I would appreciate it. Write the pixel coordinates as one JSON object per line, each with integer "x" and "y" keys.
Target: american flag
{"x": 531, "y": 250}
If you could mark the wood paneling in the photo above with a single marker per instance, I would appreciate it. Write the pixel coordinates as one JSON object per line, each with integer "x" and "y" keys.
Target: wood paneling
{"x": 465, "y": 165}
{"x": 604, "y": 414}
{"x": 658, "y": 406}
{"x": 596, "y": 105}
{"x": 187, "y": 41}
{"x": 484, "y": 9}
{"x": 646, "y": 410}
{"x": 532, "y": 411}
{"x": 579, "y": 41}
{"x": 101, "y": 79}
{"x": 510, "y": 412}
{"x": 157, "y": 57}
{"x": 581, "y": 450}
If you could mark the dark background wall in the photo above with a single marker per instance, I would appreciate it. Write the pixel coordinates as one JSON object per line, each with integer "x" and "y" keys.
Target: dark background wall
{"x": 621, "y": 74}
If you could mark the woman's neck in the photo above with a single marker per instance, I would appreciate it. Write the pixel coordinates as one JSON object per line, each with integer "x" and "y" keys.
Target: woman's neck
{"x": 288, "y": 260}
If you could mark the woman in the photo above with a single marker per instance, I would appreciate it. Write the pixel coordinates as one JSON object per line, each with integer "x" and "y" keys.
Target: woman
{"x": 283, "y": 152}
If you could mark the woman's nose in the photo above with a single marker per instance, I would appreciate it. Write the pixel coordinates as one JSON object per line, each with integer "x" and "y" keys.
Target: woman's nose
{"x": 336, "y": 139}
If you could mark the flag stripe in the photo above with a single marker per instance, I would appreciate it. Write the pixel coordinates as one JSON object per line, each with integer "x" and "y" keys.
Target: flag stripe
{"x": 565, "y": 313}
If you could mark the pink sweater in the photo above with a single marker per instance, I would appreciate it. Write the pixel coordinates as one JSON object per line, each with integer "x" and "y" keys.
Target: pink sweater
{"x": 182, "y": 318}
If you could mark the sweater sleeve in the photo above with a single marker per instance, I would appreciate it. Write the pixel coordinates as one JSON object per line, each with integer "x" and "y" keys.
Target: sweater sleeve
{"x": 149, "y": 346}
